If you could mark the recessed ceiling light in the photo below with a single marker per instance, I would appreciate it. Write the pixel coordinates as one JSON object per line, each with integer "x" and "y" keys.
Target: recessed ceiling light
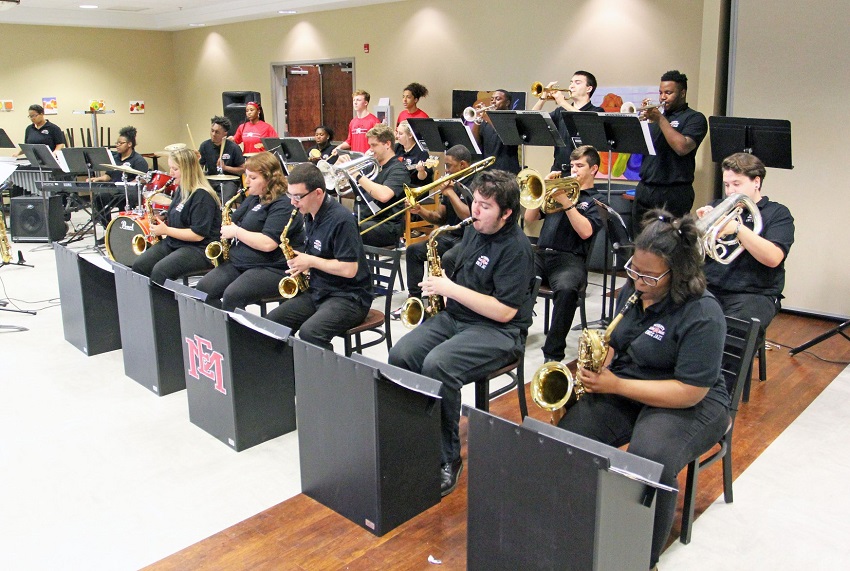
{"x": 287, "y": 12}
{"x": 197, "y": 25}
{"x": 88, "y": 6}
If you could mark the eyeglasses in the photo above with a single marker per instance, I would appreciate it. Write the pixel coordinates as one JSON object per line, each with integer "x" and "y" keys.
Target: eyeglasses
{"x": 33, "y": 116}
{"x": 117, "y": 143}
{"x": 651, "y": 281}
{"x": 298, "y": 197}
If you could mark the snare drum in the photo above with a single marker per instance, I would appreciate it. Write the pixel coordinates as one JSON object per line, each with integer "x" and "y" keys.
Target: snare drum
{"x": 159, "y": 181}
{"x": 160, "y": 202}
{"x": 120, "y": 234}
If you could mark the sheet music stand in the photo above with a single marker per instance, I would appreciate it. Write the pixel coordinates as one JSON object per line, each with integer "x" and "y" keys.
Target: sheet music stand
{"x": 42, "y": 157}
{"x": 613, "y": 132}
{"x": 440, "y": 135}
{"x": 768, "y": 139}
{"x": 293, "y": 150}
{"x": 534, "y": 128}
{"x": 5, "y": 141}
{"x": 84, "y": 160}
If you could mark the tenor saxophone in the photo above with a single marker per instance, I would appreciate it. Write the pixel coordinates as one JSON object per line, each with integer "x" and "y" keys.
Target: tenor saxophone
{"x": 414, "y": 312}
{"x": 290, "y": 286}
{"x": 220, "y": 249}
{"x": 5, "y": 248}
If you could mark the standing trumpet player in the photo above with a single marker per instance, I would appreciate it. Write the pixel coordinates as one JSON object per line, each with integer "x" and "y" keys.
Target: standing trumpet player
{"x": 576, "y": 98}
{"x": 507, "y": 156}
{"x": 752, "y": 284}
{"x": 562, "y": 248}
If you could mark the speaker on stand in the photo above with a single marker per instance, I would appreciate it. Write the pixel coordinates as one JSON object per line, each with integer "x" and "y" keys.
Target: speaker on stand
{"x": 27, "y": 222}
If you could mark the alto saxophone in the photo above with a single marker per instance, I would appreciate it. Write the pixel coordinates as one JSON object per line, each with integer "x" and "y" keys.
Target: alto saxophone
{"x": 554, "y": 387}
{"x": 414, "y": 312}
{"x": 140, "y": 242}
{"x": 5, "y": 248}
{"x": 220, "y": 249}
{"x": 290, "y": 286}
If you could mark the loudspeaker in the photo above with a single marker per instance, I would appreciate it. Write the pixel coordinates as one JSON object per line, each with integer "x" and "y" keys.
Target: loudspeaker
{"x": 234, "y": 103}
{"x": 27, "y": 221}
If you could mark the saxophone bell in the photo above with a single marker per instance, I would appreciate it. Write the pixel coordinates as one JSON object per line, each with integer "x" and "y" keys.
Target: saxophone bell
{"x": 288, "y": 287}
{"x": 412, "y": 312}
{"x": 139, "y": 244}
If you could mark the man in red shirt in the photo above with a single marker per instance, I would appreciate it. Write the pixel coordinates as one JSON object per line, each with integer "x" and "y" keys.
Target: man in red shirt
{"x": 359, "y": 126}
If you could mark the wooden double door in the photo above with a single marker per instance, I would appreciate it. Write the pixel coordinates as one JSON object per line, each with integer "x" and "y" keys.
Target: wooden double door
{"x": 315, "y": 94}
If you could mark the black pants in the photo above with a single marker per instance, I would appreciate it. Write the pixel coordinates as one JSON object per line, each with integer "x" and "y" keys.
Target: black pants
{"x": 455, "y": 353}
{"x": 386, "y": 234}
{"x": 677, "y": 199}
{"x": 417, "y": 254}
{"x": 104, "y": 202}
{"x": 319, "y": 323}
{"x": 228, "y": 287}
{"x": 162, "y": 262}
{"x": 748, "y": 305}
{"x": 566, "y": 274}
{"x": 672, "y": 437}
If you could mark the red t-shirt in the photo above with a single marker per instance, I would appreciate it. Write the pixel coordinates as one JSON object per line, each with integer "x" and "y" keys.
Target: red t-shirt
{"x": 357, "y": 132}
{"x": 404, "y": 116}
{"x": 250, "y": 134}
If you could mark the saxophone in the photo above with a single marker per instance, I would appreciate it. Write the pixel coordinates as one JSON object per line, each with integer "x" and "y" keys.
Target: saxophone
{"x": 554, "y": 387}
{"x": 5, "y": 248}
{"x": 414, "y": 312}
{"x": 220, "y": 249}
{"x": 290, "y": 286}
{"x": 140, "y": 242}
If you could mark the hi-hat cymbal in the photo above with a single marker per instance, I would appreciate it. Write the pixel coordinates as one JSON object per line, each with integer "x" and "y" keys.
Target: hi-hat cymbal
{"x": 171, "y": 148}
{"x": 122, "y": 168}
{"x": 222, "y": 177}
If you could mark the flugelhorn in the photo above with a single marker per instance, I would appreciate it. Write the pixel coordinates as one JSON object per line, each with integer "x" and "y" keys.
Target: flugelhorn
{"x": 537, "y": 90}
{"x": 474, "y": 114}
{"x": 725, "y": 250}
{"x": 537, "y": 192}
{"x": 342, "y": 176}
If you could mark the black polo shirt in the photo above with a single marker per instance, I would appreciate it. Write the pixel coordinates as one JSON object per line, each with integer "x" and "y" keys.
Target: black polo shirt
{"x": 200, "y": 213}
{"x": 394, "y": 175}
{"x": 326, "y": 150}
{"x": 500, "y": 265}
{"x": 557, "y": 232}
{"x": 410, "y": 159}
{"x": 270, "y": 219}
{"x": 135, "y": 160}
{"x": 507, "y": 157}
{"x": 49, "y": 134}
{"x": 465, "y": 195}
{"x": 746, "y": 274}
{"x": 333, "y": 234}
{"x": 232, "y": 155}
{"x": 668, "y": 341}
{"x": 666, "y": 167}
{"x": 572, "y": 139}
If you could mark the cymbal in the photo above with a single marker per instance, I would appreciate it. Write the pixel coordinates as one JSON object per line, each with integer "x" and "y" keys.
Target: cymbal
{"x": 170, "y": 148}
{"x": 122, "y": 168}
{"x": 222, "y": 177}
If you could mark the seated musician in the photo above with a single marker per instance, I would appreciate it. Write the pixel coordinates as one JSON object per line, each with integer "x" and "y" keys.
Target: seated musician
{"x": 340, "y": 286}
{"x": 218, "y": 161}
{"x": 412, "y": 157}
{"x": 563, "y": 247}
{"x": 125, "y": 155}
{"x": 455, "y": 199}
{"x": 661, "y": 390}
{"x": 386, "y": 188}
{"x": 324, "y": 145}
{"x": 482, "y": 327}
{"x": 192, "y": 222}
{"x": 751, "y": 286}
{"x": 255, "y": 263}
{"x": 507, "y": 156}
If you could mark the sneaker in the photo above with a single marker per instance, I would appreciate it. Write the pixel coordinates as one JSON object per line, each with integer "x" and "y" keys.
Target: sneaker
{"x": 395, "y": 315}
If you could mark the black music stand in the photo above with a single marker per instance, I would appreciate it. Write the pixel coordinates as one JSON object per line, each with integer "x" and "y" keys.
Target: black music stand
{"x": 293, "y": 150}
{"x": 440, "y": 135}
{"x": 5, "y": 141}
{"x": 368, "y": 437}
{"x": 84, "y": 160}
{"x": 534, "y": 128}
{"x": 620, "y": 133}
{"x": 42, "y": 157}
{"x": 768, "y": 139}
{"x": 541, "y": 497}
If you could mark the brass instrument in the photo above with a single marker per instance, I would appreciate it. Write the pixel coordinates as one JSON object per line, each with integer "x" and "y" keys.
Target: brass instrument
{"x": 290, "y": 286}
{"x": 414, "y": 312}
{"x": 554, "y": 387}
{"x": 140, "y": 242}
{"x": 419, "y": 193}
{"x": 220, "y": 249}
{"x": 5, "y": 247}
{"x": 538, "y": 90}
{"x": 725, "y": 250}
{"x": 475, "y": 114}
{"x": 537, "y": 192}
{"x": 342, "y": 176}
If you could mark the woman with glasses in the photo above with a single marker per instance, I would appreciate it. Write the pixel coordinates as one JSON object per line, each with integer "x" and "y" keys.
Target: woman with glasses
{"x": 256, "y": 263}
{"x": 42, "y": 131}
{"x": 661, "y": 390}
{"x": 192, "y": 222}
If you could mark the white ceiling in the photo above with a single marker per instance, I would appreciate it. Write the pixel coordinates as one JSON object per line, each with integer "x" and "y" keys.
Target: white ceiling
{"x": 160, "y": 14}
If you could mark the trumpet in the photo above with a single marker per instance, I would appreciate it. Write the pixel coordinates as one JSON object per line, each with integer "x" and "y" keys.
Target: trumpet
{"x": 342, "y": 176}
{"x": 725, "y": 250}
{"x": 475, "y": 114}
{"x": 629, "y": 107}
{"x": 538, "y": 90}
{"x": 417, "y": 194}
{"x": 536, "y": 192}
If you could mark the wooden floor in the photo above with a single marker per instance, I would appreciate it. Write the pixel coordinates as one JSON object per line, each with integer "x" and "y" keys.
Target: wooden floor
{"x": 302, "y": 534}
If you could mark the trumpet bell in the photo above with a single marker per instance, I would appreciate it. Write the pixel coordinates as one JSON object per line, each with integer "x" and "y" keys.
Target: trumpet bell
{"x": 537, "y": 192}
{"x": 552, "y": 386}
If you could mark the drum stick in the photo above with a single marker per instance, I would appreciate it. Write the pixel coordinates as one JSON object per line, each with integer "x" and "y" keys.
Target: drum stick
{"x": 191, "y": 139}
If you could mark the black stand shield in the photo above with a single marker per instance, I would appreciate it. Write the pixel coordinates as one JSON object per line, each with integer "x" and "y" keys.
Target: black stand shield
{"x": 440, "y": 135}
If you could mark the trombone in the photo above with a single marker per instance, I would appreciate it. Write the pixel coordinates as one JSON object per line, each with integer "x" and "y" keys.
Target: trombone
{"x": 412, "y": 195}
{"x": 538, "y": 90}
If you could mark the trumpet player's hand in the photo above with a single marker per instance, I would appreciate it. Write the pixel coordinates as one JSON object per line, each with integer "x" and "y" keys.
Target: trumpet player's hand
{"x": 704, "y": 210}
{"x": 300, "y": 263}
{"x": 229, "y": 231}
{"x": 553, "y": 175}
{"x": 342, "y": 159}
{"x": 602, "y": 382}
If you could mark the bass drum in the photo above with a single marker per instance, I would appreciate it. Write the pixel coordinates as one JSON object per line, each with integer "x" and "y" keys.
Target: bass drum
{"x": 120, "y": 233}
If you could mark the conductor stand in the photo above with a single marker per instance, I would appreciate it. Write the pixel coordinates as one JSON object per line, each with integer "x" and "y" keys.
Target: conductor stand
{"x": 614, "y": 133}
{"x": 82, "y": 160}
{"x": 42, "y": 157}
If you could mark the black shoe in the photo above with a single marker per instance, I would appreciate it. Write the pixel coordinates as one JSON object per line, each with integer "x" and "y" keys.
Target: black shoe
{"x": 395, "y": 315}
{"x": 550, "y": 358}
{"x": 449, "y": 476}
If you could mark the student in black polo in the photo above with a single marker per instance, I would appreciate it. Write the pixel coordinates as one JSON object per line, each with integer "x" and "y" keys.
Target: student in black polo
{"x": 231, "y": 163}
{"x": 340, "y": 291}
{"x": 662, "y": 392}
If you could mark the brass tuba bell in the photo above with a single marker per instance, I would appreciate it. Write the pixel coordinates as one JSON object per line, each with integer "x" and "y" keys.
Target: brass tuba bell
{"x": 537, "y": 192}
